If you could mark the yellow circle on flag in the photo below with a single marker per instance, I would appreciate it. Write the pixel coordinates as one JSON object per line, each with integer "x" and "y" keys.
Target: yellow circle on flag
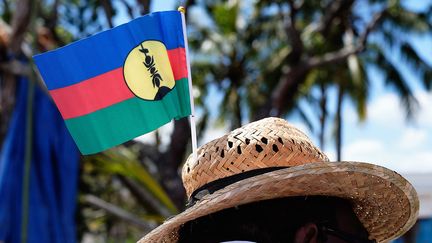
{"x": 147, "y": 71}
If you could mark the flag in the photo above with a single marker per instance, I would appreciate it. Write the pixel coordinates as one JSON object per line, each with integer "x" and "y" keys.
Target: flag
{"x": 120, "y": 83}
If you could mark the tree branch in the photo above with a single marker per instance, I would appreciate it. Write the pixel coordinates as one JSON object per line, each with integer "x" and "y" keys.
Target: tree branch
{"x": 287, "y": 87}
{"x": 144, "y": 197}
{"x": 370, "y": 27}
{"x": 106, "y": 4}
{"x": 128, "y": 8}
{"x": 118, "y": 212}
{"x": 293, "y": 34}
{"x": 16, "y": 68}
{"x": 145, "y": 6}
{"x": 51, "y": 21}
{"x": 20, "y": 23}
{"x": 331, "y": 57}
{"x": 333, "y": 9}
{"x": 344, "y": 53}
{"x": 294, "y": 76}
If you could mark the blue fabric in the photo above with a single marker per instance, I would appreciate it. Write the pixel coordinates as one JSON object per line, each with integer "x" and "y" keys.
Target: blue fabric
{"x": 423, "y": 232}
{"x": 107, "y": 50}
{"x": 53, "y": 175}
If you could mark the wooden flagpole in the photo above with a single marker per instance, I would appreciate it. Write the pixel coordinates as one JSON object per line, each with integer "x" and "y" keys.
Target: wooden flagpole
{"x": 182, "y": 10}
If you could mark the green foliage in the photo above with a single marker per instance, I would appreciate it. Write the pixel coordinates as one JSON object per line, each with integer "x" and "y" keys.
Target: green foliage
{"x": 395, "y": 79}
{"x": 412, "y": 58}
{"x": 268, "y": 53}
{"x": 101, "y": 175}
{"x": 6, "y": 13}
{"x": 121, "y": 161}
{"x": 404, "y": 20}
{"x": 225, "y": 17}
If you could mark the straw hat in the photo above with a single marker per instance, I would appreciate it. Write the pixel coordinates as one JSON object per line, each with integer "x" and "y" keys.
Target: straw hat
{"x": 271, "y": 159}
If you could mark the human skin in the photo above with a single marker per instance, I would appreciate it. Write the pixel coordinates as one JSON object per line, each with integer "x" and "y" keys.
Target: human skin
{"x": 346, "y": 222}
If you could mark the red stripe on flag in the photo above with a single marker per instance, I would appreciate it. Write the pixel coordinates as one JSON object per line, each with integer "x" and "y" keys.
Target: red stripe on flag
{"x": 106, "y": 89}
{"x": 92, "y": 94}
{"x": 177, "y": 59}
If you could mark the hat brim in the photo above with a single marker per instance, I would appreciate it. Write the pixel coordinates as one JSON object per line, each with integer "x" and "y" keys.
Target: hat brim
{"x": 383, "y": 200}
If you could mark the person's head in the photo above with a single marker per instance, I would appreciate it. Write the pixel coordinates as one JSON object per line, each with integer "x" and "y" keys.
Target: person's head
{"x": 315, "y": 219}
{"x": 267, "y": 182}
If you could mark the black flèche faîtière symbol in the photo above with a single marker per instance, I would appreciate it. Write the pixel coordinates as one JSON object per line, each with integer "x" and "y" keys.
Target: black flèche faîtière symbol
{"x": 149, "y": 63}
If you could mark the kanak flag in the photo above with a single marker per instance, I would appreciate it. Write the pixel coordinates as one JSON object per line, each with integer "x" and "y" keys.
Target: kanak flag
{"x": 120, "y": 83}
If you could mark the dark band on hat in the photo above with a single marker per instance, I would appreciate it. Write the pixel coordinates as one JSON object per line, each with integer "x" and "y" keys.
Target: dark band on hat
{"x": 216, "y": 185}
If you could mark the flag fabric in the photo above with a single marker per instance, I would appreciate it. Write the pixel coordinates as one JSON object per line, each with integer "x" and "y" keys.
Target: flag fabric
{"x": 53, "y": 182}
{"x": 120, "y": 83}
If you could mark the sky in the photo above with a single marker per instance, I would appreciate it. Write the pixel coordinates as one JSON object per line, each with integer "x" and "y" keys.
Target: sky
{"x": 386, "y": 138}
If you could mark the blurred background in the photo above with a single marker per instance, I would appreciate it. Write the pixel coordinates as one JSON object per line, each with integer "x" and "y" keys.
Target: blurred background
{"x": 356, "y": 76}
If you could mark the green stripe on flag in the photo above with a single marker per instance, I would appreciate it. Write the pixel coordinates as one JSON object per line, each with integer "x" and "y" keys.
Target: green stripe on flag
{"x": 123, "y": 121}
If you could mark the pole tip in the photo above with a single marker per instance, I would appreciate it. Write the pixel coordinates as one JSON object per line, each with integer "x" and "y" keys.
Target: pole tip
{"x": 182, "y": 9}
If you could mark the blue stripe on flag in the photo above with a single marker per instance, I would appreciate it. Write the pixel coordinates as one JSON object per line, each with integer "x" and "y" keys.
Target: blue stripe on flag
{"x": 107, "y": 50}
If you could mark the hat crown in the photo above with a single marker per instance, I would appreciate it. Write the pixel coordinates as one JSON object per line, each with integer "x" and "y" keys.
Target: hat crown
{"x": 270, "y": 142}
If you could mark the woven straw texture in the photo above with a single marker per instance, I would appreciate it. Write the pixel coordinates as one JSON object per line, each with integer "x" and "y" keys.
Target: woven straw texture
{"x": 384, "y": 201}
{"x": 267, "y": 143}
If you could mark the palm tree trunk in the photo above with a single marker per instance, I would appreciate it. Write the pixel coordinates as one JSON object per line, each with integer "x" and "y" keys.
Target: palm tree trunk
{"x": 108, "y": 9}
{"x": 170, "y": 161}
{"x": 284, "y": 94}
{"x": 339, "y": 122}
{"x": 323, "y": 116}
{"x": 145, "y": 6}
{"x": 237, "y": 119}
